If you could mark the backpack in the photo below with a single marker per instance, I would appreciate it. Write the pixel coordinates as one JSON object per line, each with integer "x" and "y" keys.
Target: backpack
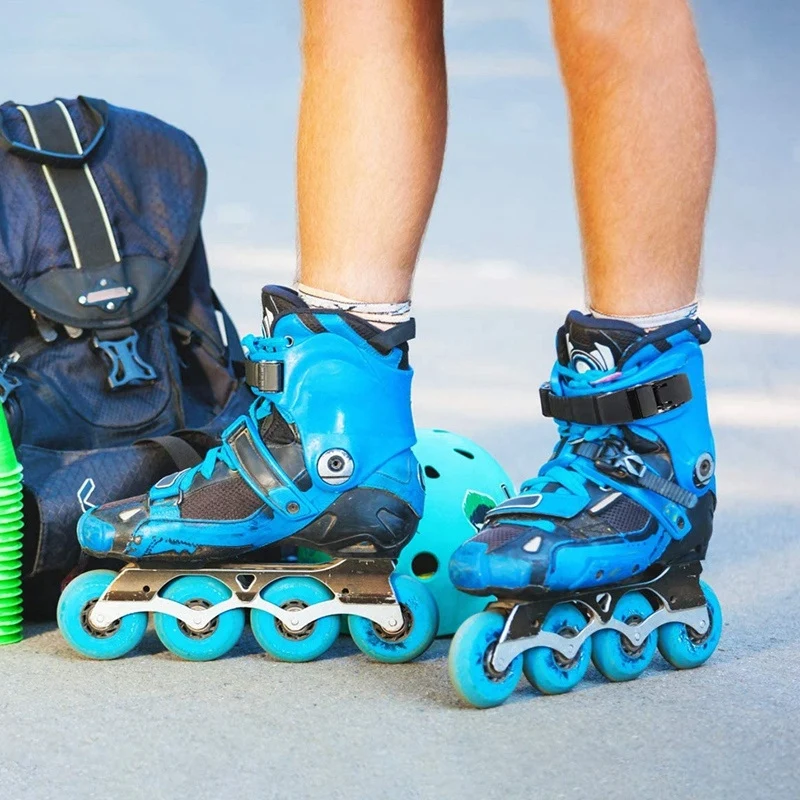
{"x": 110, "y": 340}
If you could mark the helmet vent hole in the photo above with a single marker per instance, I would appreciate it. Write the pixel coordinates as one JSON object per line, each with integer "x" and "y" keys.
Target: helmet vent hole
{"x": 464, "y": 453}
{"x": 432, "y": 472}
{"x": 425, "y": 565}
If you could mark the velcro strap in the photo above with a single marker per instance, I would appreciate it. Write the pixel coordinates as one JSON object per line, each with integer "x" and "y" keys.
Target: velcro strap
{"x": 265, "y": 376}
{"x": 620, "y": 407}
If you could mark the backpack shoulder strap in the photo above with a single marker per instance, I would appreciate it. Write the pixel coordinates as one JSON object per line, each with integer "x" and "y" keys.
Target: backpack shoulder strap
{"x": 235, "y": 349}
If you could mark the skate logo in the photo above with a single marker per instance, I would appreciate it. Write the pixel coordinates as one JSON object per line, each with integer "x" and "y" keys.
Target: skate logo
{"x": 476, "y": 506}
{"x": 85, "y": 493}
{"x": 601, "y": 358}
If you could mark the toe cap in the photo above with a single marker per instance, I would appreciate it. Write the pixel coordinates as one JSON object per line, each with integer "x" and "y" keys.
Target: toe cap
{"x": 474, "y": 568}
{"x": 96, "y": 536}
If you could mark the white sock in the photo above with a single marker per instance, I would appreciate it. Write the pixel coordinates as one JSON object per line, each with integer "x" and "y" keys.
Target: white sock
{"x": 381, "y": 315}
{"x": 651, "y": 321}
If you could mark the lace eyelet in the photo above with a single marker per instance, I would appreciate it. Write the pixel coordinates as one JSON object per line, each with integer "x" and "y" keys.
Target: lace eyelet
{"x": 289, "y": 341}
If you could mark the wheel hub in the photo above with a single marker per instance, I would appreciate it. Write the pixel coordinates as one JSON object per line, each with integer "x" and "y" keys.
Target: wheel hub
{"x": 488, "y": 668}
{"x": 98, "y": 633}
{"x": 401, "y": 633}
{"x": 568, "y": 632}
{"x": 632, "y": 650}
{"x": 296, "y": 634}
{"x": 206, "y": 630}
{"x": 698, "y": 638}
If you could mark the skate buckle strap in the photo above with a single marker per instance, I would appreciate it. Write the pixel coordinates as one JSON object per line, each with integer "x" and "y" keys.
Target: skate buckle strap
{"x": 619, "y": 407}
{"x": 126, "y": 365}
{"x": 615, "y": 458}
{"x": 264, "y": 376}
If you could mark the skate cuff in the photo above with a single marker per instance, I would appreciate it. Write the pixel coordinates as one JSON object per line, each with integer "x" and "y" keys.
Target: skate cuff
{"x": 620, "y": 407}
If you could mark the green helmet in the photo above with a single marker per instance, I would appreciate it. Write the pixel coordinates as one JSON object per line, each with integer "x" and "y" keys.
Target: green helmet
{"x": 462, "y": 482}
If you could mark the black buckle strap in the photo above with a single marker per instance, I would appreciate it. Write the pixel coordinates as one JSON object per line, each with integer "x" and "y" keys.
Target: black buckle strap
{"x": 616, "y": 459}
{"x": 265, "y": 376}
{"x": 620, "y": 407}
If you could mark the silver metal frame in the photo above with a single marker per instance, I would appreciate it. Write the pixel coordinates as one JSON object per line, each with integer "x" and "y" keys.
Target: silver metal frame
{"x": 360, "y": 588}
{"x": 508, "y": 648}
{"x": 677, "y": 597}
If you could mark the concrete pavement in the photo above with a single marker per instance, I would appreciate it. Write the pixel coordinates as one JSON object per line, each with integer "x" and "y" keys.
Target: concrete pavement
{"x": 151, "y": 726}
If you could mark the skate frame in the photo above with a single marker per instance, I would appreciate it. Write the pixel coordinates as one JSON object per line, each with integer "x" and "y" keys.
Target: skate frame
{"x": 360, "y": 587}
{"x": 676, "y": 591}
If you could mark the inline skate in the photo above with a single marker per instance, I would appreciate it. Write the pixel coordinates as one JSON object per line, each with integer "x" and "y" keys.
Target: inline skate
{"x": 322, "y": 460}
{"x": 599, "y": 557}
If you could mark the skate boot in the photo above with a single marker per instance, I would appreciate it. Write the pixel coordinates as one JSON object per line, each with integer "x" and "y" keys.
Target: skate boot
{"x": 599, "y": 557}
{"x": 323, "y": 459}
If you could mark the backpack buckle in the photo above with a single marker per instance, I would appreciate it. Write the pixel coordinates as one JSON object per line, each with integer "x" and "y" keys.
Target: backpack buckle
{"x": 126, "y": 366}
{"x": 7, "y": 385}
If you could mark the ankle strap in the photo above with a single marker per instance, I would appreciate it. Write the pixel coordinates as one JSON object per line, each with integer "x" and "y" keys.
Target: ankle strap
{"x": 620, "y": 407}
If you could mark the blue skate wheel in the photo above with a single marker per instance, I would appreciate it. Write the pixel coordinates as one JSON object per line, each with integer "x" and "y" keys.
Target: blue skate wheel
{"x": 213, "y": 641}
{"x": 616, "y": 657}
{"x": 468, "y": 661}
{"x": 549, "y": 671}
{"x": 421, "y": 621}
{"x": 284, "y": 644}
{"x": 685, "y": 648}
{"x": 74, "y": 607}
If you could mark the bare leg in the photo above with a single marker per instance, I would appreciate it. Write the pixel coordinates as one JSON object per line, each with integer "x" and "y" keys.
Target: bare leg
{"x": 643, "y": 138}
{"x": 373, "y": 120}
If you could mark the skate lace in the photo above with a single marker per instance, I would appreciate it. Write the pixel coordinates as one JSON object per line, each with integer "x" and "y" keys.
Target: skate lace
{"x": 257, "y": 348}
{"x": 562, "y": 469}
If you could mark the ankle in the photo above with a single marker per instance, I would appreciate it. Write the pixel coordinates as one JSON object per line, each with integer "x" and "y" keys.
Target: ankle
{"x": 650, "y": 322}
{"x": 381, "y": 315}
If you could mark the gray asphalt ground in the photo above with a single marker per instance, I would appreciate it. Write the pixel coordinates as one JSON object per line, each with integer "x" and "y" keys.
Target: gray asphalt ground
{"x": 152, "y": 726}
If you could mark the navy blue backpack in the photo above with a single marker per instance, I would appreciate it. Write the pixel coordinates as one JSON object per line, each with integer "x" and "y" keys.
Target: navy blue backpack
{"x": 114, "y": 367}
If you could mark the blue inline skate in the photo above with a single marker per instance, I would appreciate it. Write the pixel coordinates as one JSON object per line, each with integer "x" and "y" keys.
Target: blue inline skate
{"x": 598, "y": 558}
{"x": 322, "y": 460}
